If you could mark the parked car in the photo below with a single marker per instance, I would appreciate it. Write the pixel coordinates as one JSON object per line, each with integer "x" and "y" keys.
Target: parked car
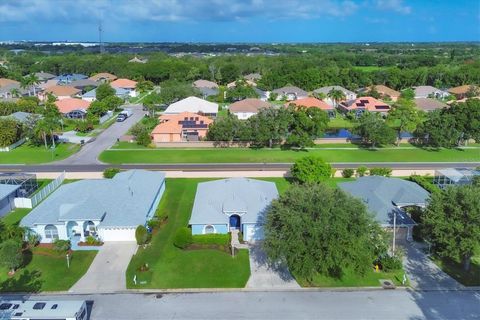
{"x": 121, "y": 117}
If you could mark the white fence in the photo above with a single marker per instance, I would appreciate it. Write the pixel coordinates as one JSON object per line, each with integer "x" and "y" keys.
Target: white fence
{"x": 12, "y": 146}
{"x": 39, "y": 196}
{"x": 106, "y": 117}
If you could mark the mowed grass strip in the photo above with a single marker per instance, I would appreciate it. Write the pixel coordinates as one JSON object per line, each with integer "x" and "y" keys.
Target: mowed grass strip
{"x": 27, "y": 154}
{"x": 246, "y": 155}
{"x": 170, "y": 267}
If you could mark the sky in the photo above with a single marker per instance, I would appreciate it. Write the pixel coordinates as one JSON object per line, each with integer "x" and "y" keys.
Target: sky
{"x": 241, "y": 20}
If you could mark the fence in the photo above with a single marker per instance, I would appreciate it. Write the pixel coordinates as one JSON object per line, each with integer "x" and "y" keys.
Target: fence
{"x": 40, "y": 195}
{"x": 12, "y": 146}
{"x": 106, "y": 117}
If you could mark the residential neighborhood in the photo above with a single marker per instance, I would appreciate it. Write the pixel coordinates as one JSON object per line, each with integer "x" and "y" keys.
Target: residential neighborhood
{"x": 283, "y": 160}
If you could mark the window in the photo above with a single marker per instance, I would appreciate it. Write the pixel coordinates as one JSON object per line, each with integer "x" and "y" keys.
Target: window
{"x": 209, "y": 229}
{"x": 39, "y": 305}
{"x": 51, "y": 232}
{"x": 55, "y": 306}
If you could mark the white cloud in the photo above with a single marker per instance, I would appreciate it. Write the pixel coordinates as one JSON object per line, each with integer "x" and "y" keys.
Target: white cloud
{"x": 393, "y": 5}
{"x": 170, "y": 10}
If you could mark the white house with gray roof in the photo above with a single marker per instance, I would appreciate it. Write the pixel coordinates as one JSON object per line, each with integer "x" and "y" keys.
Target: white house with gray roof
{"x": 235, "y": 203}
{"x": 429, "y": 92}
{"x": 385, "y": 198}
{"x": 108, "y": 209}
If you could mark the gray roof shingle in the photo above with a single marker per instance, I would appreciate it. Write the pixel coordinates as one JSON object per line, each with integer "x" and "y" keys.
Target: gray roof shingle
{"x": 7, "y": 189}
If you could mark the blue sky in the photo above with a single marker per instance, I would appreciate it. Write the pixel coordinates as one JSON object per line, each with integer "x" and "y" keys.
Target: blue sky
{"x": 241, "y": 20}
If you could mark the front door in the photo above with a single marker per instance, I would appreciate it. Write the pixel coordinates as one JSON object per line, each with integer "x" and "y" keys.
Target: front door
{"x": 235, "y": 222}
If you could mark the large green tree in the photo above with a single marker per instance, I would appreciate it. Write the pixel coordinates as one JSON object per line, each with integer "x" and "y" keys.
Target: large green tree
{"x": 307, "y": 124}
{"x": 317, "y": 229}
{"x": 373, "y": 130}
{"x": 269, "y": 126}
{"x": 451, "y": 222}
{"x": 404, "y": 116}
{"x": 11, "y": 131}
{"x": 103, "y": 91}
{"x": 11, "y": 254}
{"x": 311, "y": 169}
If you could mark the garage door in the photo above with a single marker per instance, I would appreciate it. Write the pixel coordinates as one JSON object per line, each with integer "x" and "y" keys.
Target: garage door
{"x": 252, "y": 232}
{"x": 117, "y": 234}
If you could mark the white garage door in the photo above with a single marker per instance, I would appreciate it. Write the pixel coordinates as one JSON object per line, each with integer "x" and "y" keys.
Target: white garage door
{"x": 117, "y": 234}
{"x": 253, "y": 232}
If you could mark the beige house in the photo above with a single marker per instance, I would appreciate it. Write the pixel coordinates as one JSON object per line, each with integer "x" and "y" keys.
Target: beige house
{"x": 185, "y": 126}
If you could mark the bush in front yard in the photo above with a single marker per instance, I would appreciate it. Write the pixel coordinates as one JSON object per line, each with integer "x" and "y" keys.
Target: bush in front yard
{"x": 385, "y": 172}
{"x": 391, "y": 263}
{"x": 347, "y": 173}
{"x": 362, "y": 171}
{"x": 221, "y": 239}
{"x": 61, "y": 246}
{"x": 109, "y": 173}
{"x": 141, "y": 235}
{"x": 183, "y": 238}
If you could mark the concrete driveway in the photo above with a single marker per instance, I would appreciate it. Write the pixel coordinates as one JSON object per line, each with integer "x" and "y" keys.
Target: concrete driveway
{"x": 423, "y": 273}
{"x": 90, "y": 151}
{"x": 107, "y": 272}
{"x": 266, "y": 276}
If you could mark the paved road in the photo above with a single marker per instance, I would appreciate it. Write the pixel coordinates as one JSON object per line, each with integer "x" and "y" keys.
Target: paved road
{"x": 90, "y": 151}
{"x": 107, "y": 271}
{"x": 390, "y": 304}
{"x": 60, "y": 166}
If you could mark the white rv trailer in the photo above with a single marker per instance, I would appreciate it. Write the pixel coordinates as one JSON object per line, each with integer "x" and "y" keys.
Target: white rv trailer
{"x": 43, "y": 310}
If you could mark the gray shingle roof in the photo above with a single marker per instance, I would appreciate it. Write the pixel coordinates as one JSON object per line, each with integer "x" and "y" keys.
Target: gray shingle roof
{"x": 327, "y": 89}
{"x": 382, "y": 196}
{"x": 20, "y": 116}
{"x": 7, "y": 189}
{"x": 123, "y": 201}
{"x": 234, "y": 195}
{"x": 291, "y": 89}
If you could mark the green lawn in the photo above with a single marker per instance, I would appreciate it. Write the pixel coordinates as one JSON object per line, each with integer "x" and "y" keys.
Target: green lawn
{"x": 340, "y": 122}
{"x": 27, "y": 154}
{"x": 455, "y": 269}
{"x": 47, "y": 272}
{"x": 171, "y": 267}
{"x": 350, "y": 279}
{"x": 15, "y": 216}
{"x": 246, "y": 155}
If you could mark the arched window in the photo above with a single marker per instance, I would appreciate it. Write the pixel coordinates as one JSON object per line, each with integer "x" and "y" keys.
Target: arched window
{"x": 209, "y": 229}
{"x": 51, "y": 232}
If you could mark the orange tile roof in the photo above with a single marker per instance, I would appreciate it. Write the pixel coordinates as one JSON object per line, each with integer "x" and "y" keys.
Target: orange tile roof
{"x": 124, "y": 83}
{"x": 70, "y": 104}
{"x": 62, "y": 90}
{"x": 367, "y": 103}
{"x": 461, "y": 89}
{"x": 169, "y": 123}
{"x": 5, "y": 82}
{"x": 309, "y": 103}
{"x": 103, "y": 75}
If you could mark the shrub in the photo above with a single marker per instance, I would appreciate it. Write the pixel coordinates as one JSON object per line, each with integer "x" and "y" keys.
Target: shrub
{"x": 183, "y": 238}
{"x": 311, "y": 169}
{"x": 109, "y": 173}
{"x": 33, "y": 239}
{"x": 61, "y": 246}
{"x": 424, "y": 183}
{"x": 141, "y": 235}
{"x": 347, "y": 173}
{"x": 385, "y": 172}
{"x": 391, "y": 263}
{"x": 84, "y": 126}
{"x": 221, "y": 239}
{"x": 154, "y": 223}
{"x": 92, "y": 241}
{"x": 144, "y": 138}
{"x": 362, "y": 171}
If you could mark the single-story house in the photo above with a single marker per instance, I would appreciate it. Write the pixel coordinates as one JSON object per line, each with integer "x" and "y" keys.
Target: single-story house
{"x": 107, "y": 209}
{"x": 126, "y": 84}
{"x": 21, "y": 116}
{"x": 92, "y": 94}
{"x": 61, "y": 92}
{"x": 263, "y": 95}
{"x": 363, "y": 104}
{"x": 193, "y": 105}
{"x": 70, "y": 77}
{"x": 205, "y": 84}
{"x": 429, "y": 104}
{"x": 84, "y": 83}
{"x": 290, "y": 93}
{"x": 5, "y": 82}
{"x": 384, "y": 91}
{"x": 311, "y": 102}
{"x": 103, "y": 77}
{"x": 349, "y": 95}
{"x": 254, "y": 77}
{"x": 8, "y": 193}
{"x": 246, "y": 108}
{"x": 462, "y": 91}
{"x": 454, "y": 176}
{"x": 386, "y": 197}
{"x": 44, "y": 76}
{"x": 73, "y": 108}
{"x": 8, "y": 91}
{"x": 185, "y": 126}
{"x": 138, "y": 60}
{"x": 233, "y": 84}
{"x": 234, "y": 203}
{"x": 429, "y": 92}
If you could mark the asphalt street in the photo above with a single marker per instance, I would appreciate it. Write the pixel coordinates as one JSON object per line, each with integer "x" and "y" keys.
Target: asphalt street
{"x": 374, "y": 304}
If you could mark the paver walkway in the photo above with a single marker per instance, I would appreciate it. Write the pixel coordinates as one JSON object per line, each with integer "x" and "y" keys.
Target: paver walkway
{"x": 107, "y": 272}
{"x": 265, "y": 276}
{"x": 423, "y": 273}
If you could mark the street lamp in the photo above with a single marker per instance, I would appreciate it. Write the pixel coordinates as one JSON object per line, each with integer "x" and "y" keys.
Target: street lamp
{"x": 394, "y": 230}
{"x": 68, "y": 261}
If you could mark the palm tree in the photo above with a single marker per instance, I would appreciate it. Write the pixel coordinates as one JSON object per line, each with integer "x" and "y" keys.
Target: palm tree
{"x": 336, "y": 95}
{"x": 15, "y": 93}
{"x": 25, "y": 83}
{"x": 33, "y": 81}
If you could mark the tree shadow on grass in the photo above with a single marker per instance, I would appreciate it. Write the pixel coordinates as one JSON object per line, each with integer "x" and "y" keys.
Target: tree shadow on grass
{"x": 27, "y": 281}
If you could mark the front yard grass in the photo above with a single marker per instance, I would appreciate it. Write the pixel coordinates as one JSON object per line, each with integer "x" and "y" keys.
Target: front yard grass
{"x": 170, "y": 267}
{"x": 46, "y": 270}
{"x": 350, "y": 279}
{"x": 14, "y": 217}
{"x": 247, "y": 155}
{"x": 455, "y": 269}
{"x": 28, "y": 154}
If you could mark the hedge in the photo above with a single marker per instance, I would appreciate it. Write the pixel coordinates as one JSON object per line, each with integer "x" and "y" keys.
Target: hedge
{"x": 424, "y": 183}
{"x": 220, "y": 239}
